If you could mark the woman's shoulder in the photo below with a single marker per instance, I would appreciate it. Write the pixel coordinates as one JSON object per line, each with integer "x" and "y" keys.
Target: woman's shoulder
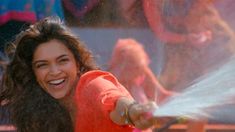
{"x": 94, "y": 73}
{"x": 96, "y": 76}
{"x": 91, "y": 75}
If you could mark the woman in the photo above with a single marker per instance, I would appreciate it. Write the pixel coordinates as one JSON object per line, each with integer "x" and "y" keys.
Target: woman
{"x": 52, "y": 84}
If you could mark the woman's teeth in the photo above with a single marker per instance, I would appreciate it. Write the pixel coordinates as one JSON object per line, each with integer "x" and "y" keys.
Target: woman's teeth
{"x": 56, "y": 82}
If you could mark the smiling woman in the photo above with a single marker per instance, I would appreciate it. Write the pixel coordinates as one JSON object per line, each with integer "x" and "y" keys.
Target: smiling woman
{"x": 53, "y": 85}
{"x": 55, "y": 68}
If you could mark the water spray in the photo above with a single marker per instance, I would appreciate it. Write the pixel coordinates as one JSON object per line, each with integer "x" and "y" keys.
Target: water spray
{"x": 198, "y": 101}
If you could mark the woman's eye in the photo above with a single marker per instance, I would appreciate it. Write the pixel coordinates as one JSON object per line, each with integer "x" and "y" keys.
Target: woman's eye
{"x": 41, "y": 65}
{"x": 64, "y": 60}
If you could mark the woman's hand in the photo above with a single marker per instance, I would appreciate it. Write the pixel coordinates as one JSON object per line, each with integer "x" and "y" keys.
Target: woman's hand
{"x": 128, "y": 112}
{"x": 141, "y": 115}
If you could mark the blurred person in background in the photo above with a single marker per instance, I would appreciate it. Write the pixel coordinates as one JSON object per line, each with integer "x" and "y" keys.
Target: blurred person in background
{"x": 192, "y": 31}
{"x": 195, "y": 37}
{"x": 130, "y": 64}
{"x": 93, "y": 13}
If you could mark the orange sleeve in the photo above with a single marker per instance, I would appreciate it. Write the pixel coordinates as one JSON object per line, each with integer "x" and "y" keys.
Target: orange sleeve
{"x": 96, "y": 95}
{"x": 107, "y": 90}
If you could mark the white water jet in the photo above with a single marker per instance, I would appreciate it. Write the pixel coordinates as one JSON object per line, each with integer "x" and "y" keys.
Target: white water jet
{"x": 205, "y": 95}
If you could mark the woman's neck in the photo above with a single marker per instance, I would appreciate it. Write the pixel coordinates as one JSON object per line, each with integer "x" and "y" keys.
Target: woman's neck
{"x": 69, "y": 104}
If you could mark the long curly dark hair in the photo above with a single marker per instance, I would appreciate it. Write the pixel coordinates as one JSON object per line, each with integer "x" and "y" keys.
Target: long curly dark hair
{"x": 31, "y": 108}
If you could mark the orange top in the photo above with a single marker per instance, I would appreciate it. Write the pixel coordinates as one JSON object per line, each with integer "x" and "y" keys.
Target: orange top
{"x": 96, "y": 95}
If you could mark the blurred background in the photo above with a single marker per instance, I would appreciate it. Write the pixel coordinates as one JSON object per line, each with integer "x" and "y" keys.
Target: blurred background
{"x": 183, "y": 39}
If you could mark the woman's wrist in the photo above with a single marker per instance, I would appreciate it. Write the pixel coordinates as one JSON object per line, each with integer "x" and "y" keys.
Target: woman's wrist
{"x": 121, "y": 115}
{"x": 128, "y": 119}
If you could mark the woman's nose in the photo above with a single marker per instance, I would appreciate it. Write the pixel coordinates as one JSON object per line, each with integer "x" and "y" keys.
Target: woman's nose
{"x": 54, "y": 70}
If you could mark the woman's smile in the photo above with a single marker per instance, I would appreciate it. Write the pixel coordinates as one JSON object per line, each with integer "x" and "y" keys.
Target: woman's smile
{"x": 59, "y": 83}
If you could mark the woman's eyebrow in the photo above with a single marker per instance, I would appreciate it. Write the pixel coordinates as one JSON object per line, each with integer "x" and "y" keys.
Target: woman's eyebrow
{"x": 61, "y": 56}
{"x": 41, "y": 61}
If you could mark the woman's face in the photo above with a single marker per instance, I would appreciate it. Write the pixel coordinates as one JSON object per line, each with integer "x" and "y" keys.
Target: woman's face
{"x": 55, "y": 69}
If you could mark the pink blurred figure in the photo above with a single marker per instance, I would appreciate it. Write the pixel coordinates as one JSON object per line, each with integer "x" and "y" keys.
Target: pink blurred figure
{"x": 130, "y": 64}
